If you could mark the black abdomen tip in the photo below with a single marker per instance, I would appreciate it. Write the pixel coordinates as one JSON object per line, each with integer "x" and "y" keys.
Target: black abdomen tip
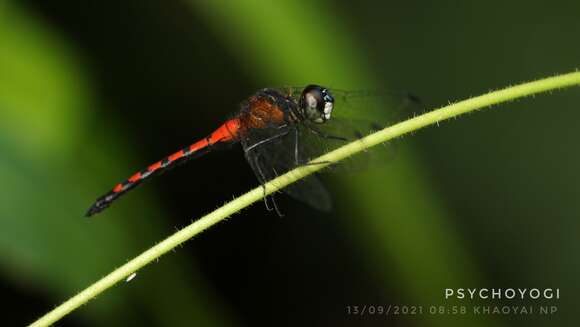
{"x": 101, "y": 204}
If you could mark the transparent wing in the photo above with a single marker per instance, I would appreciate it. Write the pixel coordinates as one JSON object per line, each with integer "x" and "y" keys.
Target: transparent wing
{"x": 316, "y": 140}
{"x": 274, "y": 151}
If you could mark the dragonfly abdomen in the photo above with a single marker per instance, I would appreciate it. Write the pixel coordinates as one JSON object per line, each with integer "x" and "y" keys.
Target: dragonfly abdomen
{"x": 227, "y": 133}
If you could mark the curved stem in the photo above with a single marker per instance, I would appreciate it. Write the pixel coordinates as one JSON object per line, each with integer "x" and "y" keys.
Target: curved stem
{"x": 389, "y": 133}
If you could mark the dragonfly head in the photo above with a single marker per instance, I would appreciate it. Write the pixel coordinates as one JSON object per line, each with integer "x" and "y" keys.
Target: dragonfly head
{"x": 316, "y": 103}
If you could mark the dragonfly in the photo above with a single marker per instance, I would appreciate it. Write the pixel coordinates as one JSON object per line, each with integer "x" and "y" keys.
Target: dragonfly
{"x": 280, "y": 129}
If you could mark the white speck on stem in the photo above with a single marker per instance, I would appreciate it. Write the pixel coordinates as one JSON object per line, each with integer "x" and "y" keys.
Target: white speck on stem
{"x": 130, "y": 278}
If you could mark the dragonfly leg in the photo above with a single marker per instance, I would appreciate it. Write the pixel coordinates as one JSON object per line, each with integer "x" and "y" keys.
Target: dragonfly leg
{"x": 296, "y": 160}
{"x": 296, "y": 151}
{"x": 254, "y": 160}
{"x": 262, "y": 179}
{"x": 278, "y": 212}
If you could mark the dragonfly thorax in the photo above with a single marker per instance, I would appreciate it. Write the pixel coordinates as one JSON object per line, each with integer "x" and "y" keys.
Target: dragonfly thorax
{"x": 316, "y": 103}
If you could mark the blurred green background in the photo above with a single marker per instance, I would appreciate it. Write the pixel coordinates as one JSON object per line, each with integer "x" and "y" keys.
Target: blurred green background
{"x": 91, "y": 91}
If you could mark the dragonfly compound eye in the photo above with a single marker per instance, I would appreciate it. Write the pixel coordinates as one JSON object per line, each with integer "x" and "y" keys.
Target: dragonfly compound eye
{"x": 316, "y": 103}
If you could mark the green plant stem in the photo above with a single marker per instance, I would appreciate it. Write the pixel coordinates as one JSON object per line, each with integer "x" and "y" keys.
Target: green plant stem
{"x": 389, "y": 133}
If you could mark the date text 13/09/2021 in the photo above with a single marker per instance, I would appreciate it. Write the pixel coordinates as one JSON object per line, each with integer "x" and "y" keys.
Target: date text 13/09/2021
{"x": 411, "y": 310}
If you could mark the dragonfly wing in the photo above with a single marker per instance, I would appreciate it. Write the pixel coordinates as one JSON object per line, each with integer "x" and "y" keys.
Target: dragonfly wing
{"x": 273, "y": 152}
{"x": 318, "y": 139}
